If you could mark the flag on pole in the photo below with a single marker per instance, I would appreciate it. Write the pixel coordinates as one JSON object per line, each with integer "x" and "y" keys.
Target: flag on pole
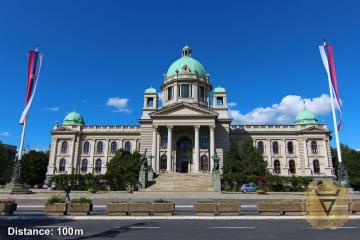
{"x": 35, "y": 59}
{"x": 327, "y": 56}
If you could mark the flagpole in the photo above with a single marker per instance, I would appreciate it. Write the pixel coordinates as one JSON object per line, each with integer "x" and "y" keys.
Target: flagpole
{"x": 341, "y": 173}
{"x": 22, "y": 141}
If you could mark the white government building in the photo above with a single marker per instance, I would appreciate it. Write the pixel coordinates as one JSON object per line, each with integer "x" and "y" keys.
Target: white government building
{"x": 183, "y": 134}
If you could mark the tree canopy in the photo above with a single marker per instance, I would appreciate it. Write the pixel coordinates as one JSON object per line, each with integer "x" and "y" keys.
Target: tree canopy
{"x": 7, "y": 160}
{"x": 123, "y": 170}
{"x": 351, "y": 159}
{"x": 34, "y": 166}
{"x": 242, "y": 163}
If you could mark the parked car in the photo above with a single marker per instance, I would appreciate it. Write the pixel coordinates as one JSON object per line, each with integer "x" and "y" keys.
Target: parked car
{"x": 248, "y": 187}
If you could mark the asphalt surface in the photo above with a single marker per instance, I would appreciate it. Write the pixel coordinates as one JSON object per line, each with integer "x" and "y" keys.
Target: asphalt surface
{"x": 183, "y": 229}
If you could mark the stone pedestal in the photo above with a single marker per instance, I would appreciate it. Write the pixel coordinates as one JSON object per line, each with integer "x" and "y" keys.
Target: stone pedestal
{"x": 150, "y": 174}
{"x": 17, "y": 187}
{"x": 216, "y": 181}
{"x": 143, "y": 179}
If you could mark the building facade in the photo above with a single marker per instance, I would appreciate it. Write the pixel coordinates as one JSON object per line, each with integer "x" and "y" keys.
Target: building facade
{"x": 185, "y": 132}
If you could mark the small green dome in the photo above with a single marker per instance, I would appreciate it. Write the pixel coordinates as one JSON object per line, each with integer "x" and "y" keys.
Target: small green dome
{"x": 74, "y": 118}
{"x": 219, "y": 89}
{"x": 150, "y": 90}
{"x": 306, "y": 117}
{"x": 186, "y": 63}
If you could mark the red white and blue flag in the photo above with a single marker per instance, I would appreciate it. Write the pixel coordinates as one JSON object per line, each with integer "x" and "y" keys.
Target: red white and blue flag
{"x": 35, "y": 59}
{"x": 327, "y": 56}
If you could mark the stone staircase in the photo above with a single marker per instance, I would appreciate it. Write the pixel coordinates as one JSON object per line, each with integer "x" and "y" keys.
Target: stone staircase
{"x": 182, "y": 182}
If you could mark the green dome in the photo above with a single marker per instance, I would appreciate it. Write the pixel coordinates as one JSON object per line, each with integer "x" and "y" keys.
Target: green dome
{"x": 219, "y": 89}
{"x": 186, "y": 63}
{"x": 73, "y": 118}
{"x": 306, "y": 117}
{"x": 150, "y": 90}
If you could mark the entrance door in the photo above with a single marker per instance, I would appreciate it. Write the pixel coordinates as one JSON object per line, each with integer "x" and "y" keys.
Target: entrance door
{"x": 183, "y": 154}
{"x": 204, "y": 163}
{"x": 184, "y": 165}
{"x": 163, "y": 162}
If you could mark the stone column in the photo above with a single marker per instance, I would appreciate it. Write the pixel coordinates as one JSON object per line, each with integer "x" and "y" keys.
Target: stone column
{"x": 154, "y": 148}
{"x": 306, "y": 153}
{"x": 194, "y": 93}
{"x": 169, "y": 149}
{"x": 212, "y": 146}
{"x": 157, "y": 159}
{"x": 176, "y": 91}
{"x": 197, "y": 150}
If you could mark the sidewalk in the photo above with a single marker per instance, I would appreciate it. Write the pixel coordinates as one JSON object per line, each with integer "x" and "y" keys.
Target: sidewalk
{"x": 45, "y": 194}
{"x": 90, "y": 217}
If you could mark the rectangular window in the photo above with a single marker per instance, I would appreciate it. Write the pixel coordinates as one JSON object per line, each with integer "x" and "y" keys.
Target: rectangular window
{"x": 164, "y": 141}
{"x": 185, "y": 90}
{"x": 204, "y": 142}
{"x": 150, "y": 102}
{"x": 170, "y": 93}
{"x": 219, "y": 101}
{"x": 202, "y": 94}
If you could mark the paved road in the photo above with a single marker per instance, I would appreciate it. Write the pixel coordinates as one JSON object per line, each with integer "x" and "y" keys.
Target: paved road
{"x": 186, "y": 229}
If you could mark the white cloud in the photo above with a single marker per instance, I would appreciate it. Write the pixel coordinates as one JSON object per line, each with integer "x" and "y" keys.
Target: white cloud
{"x": 52, "y": 109}
{"x": 283, "y": 112}
{"x": 232, "y": 104}
{"x": 4, "y": 134}
{"x": 120, "y": 104}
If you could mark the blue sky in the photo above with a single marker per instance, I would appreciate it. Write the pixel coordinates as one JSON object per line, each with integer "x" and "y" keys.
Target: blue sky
{"x": 265, "y": 53}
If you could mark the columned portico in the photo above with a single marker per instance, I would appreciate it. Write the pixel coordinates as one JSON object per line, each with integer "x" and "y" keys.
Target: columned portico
{"x": 169, "y": 148}
{"x": 212, "y": 146}
{"x": 196, "y": 152}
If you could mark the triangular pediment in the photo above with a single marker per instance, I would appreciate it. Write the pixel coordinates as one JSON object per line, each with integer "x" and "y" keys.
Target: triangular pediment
{"x": 314, "y": 129}
{"x": 183, "y": 110}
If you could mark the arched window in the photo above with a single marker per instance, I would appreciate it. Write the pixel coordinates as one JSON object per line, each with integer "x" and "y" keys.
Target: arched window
{"x": 98, "y": 166}
{"x": 204, "y": 163}
{"x": 62, "y": 164}
{"x": 113, "y": 147}
{"x": 316, "y": 166}
{"x": 100, "y": 147}
{"x": 163, "y": 162}
{"x": 314, "y": 148}
{"x": 64, "y": 147}
{"x": 84, "y": 165}
{"x": 260, "y": 147}
{"x": 164, "y": 141}
{"x": 275, "y": 147}
{"x": 290, "y": 147}
{"x": 127, "y": 146}
{"x": 277, "y": 167}
{"x": 86, "y": 147}
{"x": 292, "y": 167}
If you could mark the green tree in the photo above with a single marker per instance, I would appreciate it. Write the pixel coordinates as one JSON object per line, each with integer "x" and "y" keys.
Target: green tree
{"x": 242, "y": 163}
{"x": 33, "y": 167}
{"x": 351, "y": 160}
{"x": 123, "y": 170}
{"x": 7, "y": 162}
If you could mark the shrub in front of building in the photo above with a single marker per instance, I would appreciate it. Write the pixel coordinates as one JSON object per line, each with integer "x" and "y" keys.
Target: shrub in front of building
{"x": 78, "y": 182}
{"x": 287, "y": 184}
